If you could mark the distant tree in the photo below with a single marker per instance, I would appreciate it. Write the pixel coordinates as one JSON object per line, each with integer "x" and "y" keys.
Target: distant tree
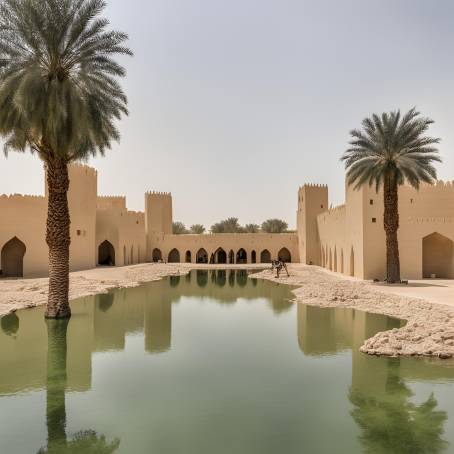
{"x": 178, "y": 228}
{"x": 60, "y": 98}
{"x": 389, "y": 151}
{"x": 251, "y": 228}
{"x": 197, "y": 229}
{"x": 229, "y": 225}
{"x": 274, "y": 226}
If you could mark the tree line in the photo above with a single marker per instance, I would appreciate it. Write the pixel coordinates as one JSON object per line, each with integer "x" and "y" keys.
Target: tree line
{"x": 232, "y": 225}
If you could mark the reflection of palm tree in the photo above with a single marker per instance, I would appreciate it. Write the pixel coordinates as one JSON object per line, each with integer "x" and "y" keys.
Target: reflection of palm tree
{"x": 84, "y": 442}
{"x": 10, "y": 324}
{"x": 393, "y": 424}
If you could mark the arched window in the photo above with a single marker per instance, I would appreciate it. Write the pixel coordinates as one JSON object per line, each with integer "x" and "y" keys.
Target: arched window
{"x": 188, "y": 257}
{"x": 13, "y": 258}
{"x": 265, "y": 256}
{"x": 284, "y": 255}
{"x": 174, "y": 256}
{"x": 106, "y": 254}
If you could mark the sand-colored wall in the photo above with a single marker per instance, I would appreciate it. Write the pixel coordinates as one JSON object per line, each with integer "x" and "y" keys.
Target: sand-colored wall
{"x": 426, "y": 232}
{"x": 257, "y": 242}
{"x": 125, "y": 230}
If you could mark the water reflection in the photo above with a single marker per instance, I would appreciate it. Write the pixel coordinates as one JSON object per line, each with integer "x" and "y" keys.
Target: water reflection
{"x": 391, "y": 423}
{"x": 57, "y": 356}
{"x": 10, "y": 324}
{"x": 57, "y": 441}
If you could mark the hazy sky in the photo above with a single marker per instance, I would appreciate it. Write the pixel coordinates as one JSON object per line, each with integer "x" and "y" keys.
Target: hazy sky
{"x": 236, "y": 103}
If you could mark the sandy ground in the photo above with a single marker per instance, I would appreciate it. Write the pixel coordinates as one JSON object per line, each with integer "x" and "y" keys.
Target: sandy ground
{"x": 430, "y": 322}
{"x": 428, "y": 306}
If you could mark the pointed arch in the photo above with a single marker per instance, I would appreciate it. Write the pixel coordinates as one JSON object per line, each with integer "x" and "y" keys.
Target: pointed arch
{"x": 174, "y": 256}
{"x": 265, "y": 256}
{"x": 342, "y": 261}
{"x": 156, "y": 255}
{"x": 253, "y": 257}
{"x": 284, "y": 255}
{"x": 201, "y": 256}
{"x": 241, "y": 256}
{"x": 220, "y": 256}
{"x": 12, "y": 258}
{"x": 106, "y": 254}
{"x": 437, "y": 256}
{"x": 231, "y": 256}
{"x": 188, "y": 257}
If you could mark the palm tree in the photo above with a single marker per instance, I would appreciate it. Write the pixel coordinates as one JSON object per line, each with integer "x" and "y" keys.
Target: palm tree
{"x": 389, "y": 151}
{"x": 59, "y": 98}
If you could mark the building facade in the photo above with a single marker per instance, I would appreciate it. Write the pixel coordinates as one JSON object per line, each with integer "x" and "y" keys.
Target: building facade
{"x": 347, "y": 239}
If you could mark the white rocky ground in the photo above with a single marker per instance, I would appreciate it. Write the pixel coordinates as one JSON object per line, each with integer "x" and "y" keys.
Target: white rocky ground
{"x": 429, "y": 330}
{"x": 430, "y": 326}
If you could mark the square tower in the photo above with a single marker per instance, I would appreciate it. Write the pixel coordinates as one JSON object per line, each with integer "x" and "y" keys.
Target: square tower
{"x": 312, "y": 200}
{"x": 158, "y": 218}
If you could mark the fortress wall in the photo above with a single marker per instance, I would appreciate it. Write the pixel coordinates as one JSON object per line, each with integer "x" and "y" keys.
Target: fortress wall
{"x": 125, "y": 230}
{"x": 228, "y": 241}
{"x": 110, "y": 202}
{"x": 24, "y": 217}
{"x": 82, "y": 197}
{"x": 333, "y": 241}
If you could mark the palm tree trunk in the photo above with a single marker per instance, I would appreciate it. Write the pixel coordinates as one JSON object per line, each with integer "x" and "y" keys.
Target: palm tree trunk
{"x": 57, "y": 238}
{"x": 391, "y": 224}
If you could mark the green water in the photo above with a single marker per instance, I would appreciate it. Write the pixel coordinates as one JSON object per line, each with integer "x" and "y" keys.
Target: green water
{"x": 213, "y": 363}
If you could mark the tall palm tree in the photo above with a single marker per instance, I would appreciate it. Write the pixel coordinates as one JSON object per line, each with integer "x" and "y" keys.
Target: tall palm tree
{"x": 59, "y": 98}
{"x": 390, "y": 150}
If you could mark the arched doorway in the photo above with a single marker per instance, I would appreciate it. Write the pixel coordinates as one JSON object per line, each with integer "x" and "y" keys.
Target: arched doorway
{"x": 231, "y": 257}
{"x": 174, "y": 256}
{"x": 220, "y": 256}
{"x": 265, "y": 256}
{"x": 284, "y": 255}
{"x": 106, "y": 254}
{"x": 437, "y": 256}
{"x": 352, "y": 263}
{"x": 188, "y": 257}
{"x": 253, "y": 257}
{"x": 241, "y": 256}
{"x": 157, "y": 255}
{"x": 13, "y": 258}
{"x": 202, "y": 256}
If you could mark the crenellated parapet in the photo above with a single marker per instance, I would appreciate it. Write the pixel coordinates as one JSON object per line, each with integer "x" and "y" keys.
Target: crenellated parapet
{"x": 111, "y": 202}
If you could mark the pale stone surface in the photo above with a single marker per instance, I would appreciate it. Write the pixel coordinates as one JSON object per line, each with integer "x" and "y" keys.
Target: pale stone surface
{"x": 430, "y": 325}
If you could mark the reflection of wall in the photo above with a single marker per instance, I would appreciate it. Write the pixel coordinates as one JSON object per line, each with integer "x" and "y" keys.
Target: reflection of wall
{"x": 158, "y": 324}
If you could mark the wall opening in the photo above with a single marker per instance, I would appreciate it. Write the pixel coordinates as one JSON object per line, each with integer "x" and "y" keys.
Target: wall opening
{"x": 231, "y": 257}
{"x": 188, "y": 257}
{"x": 220, "y": 256}
{"x": 12, "y": 259}
{"x": 202, "y": 256}
{"x": 330, "y": 260}
{"x": 335, "y": 260}
{"x": 284, "y": 255}
{"x": 253, "y": 257}
{"x": 437, "y": 256}
{"x": 156, "y": 256}
{"x": 265, "y": 256}
{"x": 342, "y": 261}
{"x": 241, "y": 256}
{"x": 106, "y": 254}
{"x": 352, "y": 263}
{"x": 174, "y": 256}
